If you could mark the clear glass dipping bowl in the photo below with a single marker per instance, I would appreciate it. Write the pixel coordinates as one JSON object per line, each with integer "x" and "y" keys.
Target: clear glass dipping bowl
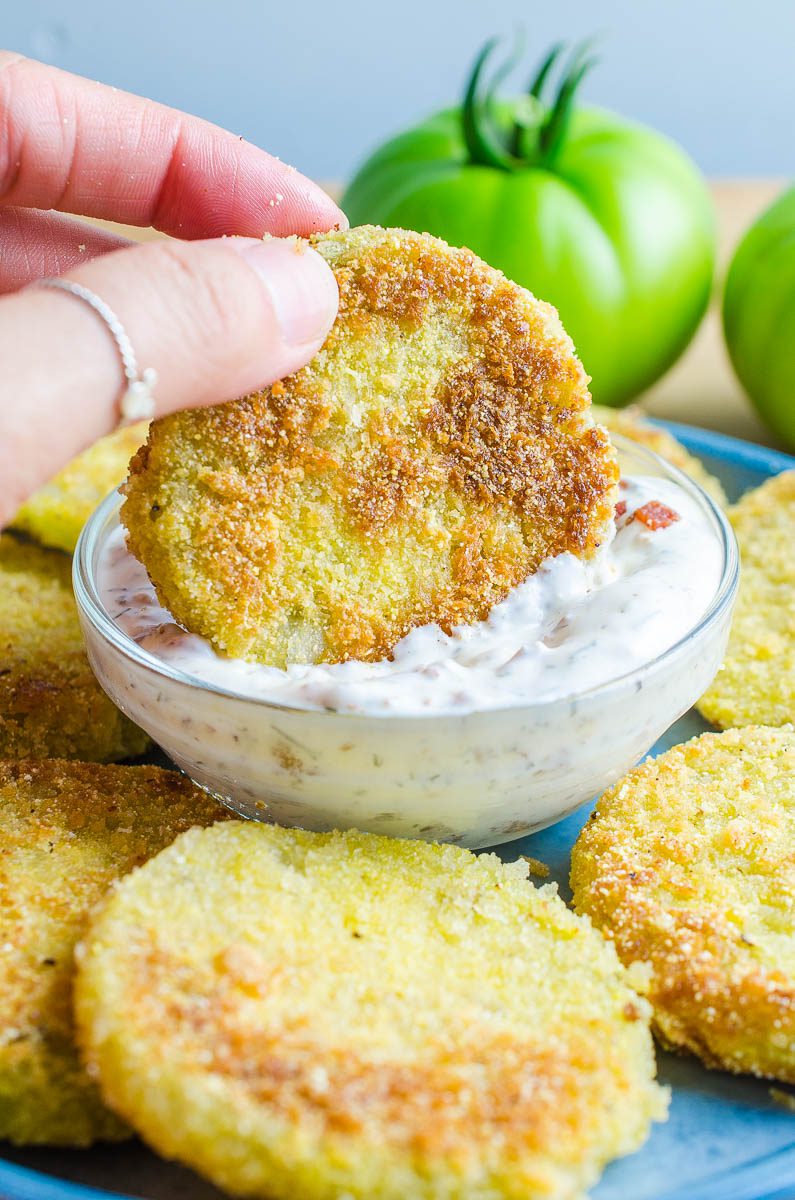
{"x": 477, "y": 778}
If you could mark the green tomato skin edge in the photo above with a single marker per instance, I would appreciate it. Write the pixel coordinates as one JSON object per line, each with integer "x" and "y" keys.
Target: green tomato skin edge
{"x": 759, "y": 315}
{"x": 619, "y": 236}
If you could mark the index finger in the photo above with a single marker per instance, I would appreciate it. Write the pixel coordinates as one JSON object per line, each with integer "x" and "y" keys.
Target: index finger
{"x": 81, "y": 147}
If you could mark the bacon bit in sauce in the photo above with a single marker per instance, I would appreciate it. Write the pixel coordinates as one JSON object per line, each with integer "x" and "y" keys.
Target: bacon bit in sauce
{"x": 655, "y": 515}
{"x": 621, "y": 508}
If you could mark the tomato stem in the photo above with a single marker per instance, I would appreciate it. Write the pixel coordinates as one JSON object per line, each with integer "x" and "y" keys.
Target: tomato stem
{"x": 534, "y": 91}
{"x": 537, "y": 86}
{"x": 481, "y": 139}
{"x": 538, "y": 134}
{"x": 555, "y": 129}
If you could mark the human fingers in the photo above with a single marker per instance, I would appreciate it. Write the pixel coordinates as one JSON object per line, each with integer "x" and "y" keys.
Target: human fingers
{"x": 37, "y": 244}
{"x": 215, "y": 319}
{"x": 78, "y": 146}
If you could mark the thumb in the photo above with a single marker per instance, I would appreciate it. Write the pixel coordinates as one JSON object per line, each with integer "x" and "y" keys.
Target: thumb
{"x": 216, "y": 319}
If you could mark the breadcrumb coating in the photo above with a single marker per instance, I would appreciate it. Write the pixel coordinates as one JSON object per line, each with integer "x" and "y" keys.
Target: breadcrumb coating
{"x": 55, "y": 514}
{"x": 67, "y": 831}
{"x": 327, "y": 1015}
{"x": 51, "y": 706}
{"x": 688, "y": 867}
{"x": 756, "y": 683}
{"x": 631, "y": 423}
{"x": 428, "y": 458}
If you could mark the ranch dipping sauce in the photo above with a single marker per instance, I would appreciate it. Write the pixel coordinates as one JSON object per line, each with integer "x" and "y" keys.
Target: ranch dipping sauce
{"x": 476, "y": 738}
{"x": 568, "y": 628}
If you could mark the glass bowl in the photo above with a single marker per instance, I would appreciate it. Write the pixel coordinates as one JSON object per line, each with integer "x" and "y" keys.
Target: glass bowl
{"x": 476, "y": 778}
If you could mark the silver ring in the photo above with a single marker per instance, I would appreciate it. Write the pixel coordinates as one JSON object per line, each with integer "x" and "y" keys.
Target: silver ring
{"x": 138, "y": 401}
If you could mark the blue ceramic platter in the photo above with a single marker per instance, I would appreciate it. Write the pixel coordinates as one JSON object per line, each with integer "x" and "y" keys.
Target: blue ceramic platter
{"x": 726, "y": 1138}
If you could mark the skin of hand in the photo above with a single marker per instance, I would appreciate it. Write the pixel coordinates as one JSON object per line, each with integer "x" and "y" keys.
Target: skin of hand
{"x": 216, "y": 311}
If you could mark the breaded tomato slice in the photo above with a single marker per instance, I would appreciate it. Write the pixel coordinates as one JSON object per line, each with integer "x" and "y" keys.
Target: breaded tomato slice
{"x": 51, "y": 706}
{"x": 68, "y": 830}
{"x": 55, "y": 514}
{"x": 437, "y": 448}
{"x": 688, "y": 866}
{"x": 756, "y": 683}
{"x": 327, "y": 1015}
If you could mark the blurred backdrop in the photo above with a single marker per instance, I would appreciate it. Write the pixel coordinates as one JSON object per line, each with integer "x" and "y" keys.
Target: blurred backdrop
{"x": 319, "y": 83}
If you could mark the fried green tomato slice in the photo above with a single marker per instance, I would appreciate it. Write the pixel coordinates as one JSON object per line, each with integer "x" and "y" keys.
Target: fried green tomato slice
{"x": 55, "y": 514}
{"x": 631, "y": 423}
{"x": 51, "y": 706}
{"x": 67, "y": 831}
{"x": 688, "y": 866}
{"x": 756, "y": 682}
{"x": 326, "y": 1015}
{"x": 437, "y": 448}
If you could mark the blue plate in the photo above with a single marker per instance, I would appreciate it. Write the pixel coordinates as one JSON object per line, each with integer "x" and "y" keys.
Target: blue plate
{"x": 726, "y": 1137}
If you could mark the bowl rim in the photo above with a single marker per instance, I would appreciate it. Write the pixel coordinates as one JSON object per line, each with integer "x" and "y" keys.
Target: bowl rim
{"x": 91, "y": 608}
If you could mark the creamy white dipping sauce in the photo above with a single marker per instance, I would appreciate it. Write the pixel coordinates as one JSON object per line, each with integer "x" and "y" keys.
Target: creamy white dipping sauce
{"x": 569, "y": 627}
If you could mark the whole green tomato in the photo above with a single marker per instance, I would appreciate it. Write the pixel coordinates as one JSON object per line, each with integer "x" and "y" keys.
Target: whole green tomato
{"x": 607, "y": 220}
{"x": 759, "y": 315}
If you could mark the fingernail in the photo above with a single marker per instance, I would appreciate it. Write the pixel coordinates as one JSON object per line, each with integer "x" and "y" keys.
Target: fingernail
{"x": 301, "y": 286}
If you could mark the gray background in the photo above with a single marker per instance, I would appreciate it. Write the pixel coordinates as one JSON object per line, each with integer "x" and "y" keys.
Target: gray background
{"x": 320, "y": 83}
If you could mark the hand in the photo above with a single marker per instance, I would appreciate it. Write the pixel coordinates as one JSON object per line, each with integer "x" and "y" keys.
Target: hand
{"x": 215, "y": 318}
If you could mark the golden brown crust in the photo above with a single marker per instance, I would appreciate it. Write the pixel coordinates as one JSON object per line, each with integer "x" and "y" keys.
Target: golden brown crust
{"x": 756, "y": 682}
{"x": 67, "y": 831}
{"x": 362, "y": 1016}
{"x": 51, "y": 705}
{"x": 688, "y": 866}
{"x": 427, "y": 1104}
{"x": 430, "y": 456}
